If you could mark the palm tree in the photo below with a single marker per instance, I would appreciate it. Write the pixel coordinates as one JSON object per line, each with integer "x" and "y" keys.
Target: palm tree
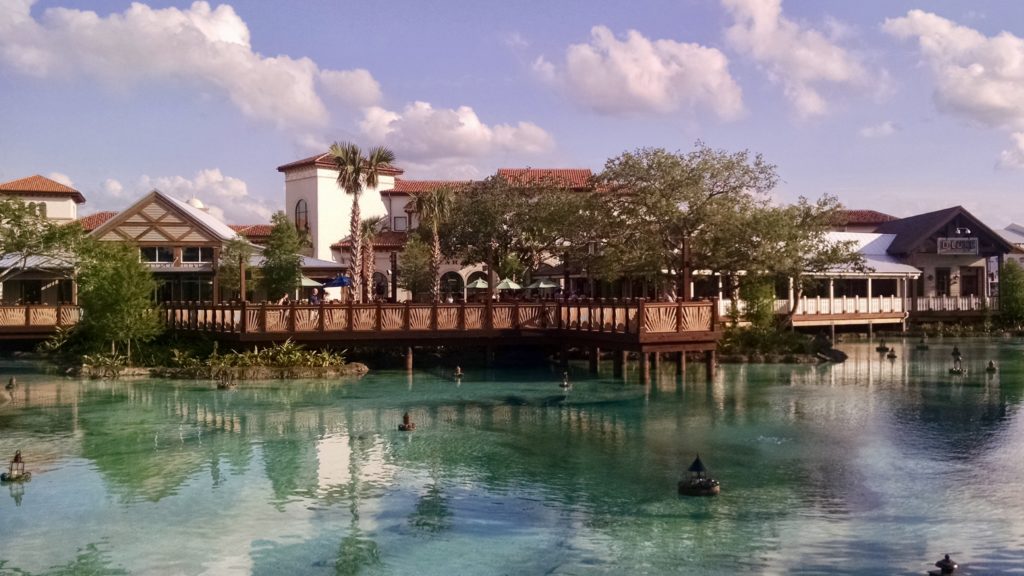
{"x": 369, "y": 230}
{"x": 354, "y": 172}
{"x": 433, "y": 208}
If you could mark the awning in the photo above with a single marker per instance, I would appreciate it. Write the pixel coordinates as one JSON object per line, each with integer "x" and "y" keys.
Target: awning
{"x": 309, "y": 282}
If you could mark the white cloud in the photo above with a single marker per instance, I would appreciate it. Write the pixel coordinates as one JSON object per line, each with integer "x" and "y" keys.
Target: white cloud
{"x": 516, "y": 41}
{"x": 422, "y": 134}
{"x": 976, "y": 77}
{"x": 113, "y": 189}
{"x": 801, "y": 59}
{"x": 199, "y": 46}
{"x": 1014, "y": 157}
{"x": 61, "y": 177}
{"x": 226, "y": 197}
{"x": 880, "y": 130}
{"x": 639, "y": 75}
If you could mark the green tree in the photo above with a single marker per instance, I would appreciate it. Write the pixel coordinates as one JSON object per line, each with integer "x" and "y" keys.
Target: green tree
{"x": 659, "y": 203}
{"x": 1011, "y": 294}
{"x": 434, "y": 209}
{"x": 29, "y": 239}
{"x": 495, "y": 220}
{"x": 234, "y": 257}
{"x": 281, "y": 271}
{"x": 415, "y": 269}
{"x": 356, "y": 170}
{"x": 115, "y": 291}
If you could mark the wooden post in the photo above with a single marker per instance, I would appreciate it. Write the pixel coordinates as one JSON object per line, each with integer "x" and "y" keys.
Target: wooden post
{"x": 490, "y": 355}
{"x": 243, "y": 319}
{"x": 407, "y": 320}
{"x": 657, "y": 363}
{"x": 291, "y": 318}
{"x": 351, "y": 316}
{"x": 680, "y": 363}
{"x": 28, "y": 314}
{"x": 618, "y": 363}
{"x": 640, "y": 316}
{"x": 408, "y": 359}
{"x": 320, "y": 320}
{"x": 709, "y": 364}
{"x": 645, "y": 367}
{"x": 594, "y": 358}
{"x": 263, "y": 317}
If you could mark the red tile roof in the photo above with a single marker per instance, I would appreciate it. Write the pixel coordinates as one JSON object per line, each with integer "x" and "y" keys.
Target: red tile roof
{"x": 421, "y": 186}
{"x": 386, "y": 240}
{"x": 252, "y": 230}
{"x": 569, "y": 177}
{"x": 863, "y": 217}
{"x": 41, "y": 185}
{"x": 94, "y": 221}
{"x": 325, "y": 160}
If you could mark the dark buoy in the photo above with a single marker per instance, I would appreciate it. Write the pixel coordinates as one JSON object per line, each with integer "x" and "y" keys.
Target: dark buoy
{"x": 12, "y": 383}
{"x": 892, "y": 354}
{"x": 16, "y": 470}
{"x": 565, "y": 380}
{"x": 881, "y": 347}
{"x": 698, "y": 483}
{"x": 991, "y": 368}
{"x": 922, "y": 345}
{"x": 458, "y": 372}
{"x": 407, "y": 424}
{"x": 958, "y": 365}
{"x": 945, "y": 566}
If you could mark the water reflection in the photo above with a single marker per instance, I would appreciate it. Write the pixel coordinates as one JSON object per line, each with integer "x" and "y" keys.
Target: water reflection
{"x": 863, "y": 463}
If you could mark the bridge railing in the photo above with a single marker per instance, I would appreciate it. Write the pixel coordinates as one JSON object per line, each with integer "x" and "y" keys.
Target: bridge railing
{"x": 609, "y": 316}
{"x": 39, "y": 315}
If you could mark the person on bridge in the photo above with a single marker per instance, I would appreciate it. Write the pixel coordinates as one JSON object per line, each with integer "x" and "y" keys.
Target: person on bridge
{"x": 283, "y": 299}
{"x": 314, "y": 297}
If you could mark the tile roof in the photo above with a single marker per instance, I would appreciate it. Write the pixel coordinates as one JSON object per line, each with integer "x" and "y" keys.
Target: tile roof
{"x": 569, "y": 177}
{"x": 41, "y": 185}
{"x": 386, "y": 240}
{"x": 325, "y": 160}
{"x": 94, "y": 221}
{"x": 421, "y": 186}
{"x": 845, "y": 217}
{"x": 252, "y": 230}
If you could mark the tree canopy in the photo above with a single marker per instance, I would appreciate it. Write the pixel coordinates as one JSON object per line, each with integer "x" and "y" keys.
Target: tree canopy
{"x": 234, "y": 258}
{"x": 281, "y": 271}
{"x": 1011, "y": 294}
{"x": 28, "y": 238}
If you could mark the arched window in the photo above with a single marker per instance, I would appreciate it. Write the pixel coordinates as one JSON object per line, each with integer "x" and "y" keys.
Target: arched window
{"x": 452, "y": 287}
{"x": 380, "y": 285}
{"x": 301, "y": 215}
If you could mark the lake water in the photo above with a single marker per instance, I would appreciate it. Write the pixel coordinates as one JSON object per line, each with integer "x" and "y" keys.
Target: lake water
{"x": 868, "y": 467}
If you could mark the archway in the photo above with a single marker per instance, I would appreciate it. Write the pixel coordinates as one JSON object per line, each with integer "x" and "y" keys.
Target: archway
{"x": 453, "y": 289}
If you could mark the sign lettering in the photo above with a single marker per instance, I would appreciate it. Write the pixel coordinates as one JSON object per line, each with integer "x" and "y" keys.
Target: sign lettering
{"x": 958, "y": 246}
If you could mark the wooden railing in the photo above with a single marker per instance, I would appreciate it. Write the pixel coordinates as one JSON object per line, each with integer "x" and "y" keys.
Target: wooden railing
{"x": 955, "y": 304}
{"x": 608, "y": 316}
{"x": 38, "y": 315}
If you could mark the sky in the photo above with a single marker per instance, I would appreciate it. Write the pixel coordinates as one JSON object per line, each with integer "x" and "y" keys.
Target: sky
{"x": 901, "y": 107}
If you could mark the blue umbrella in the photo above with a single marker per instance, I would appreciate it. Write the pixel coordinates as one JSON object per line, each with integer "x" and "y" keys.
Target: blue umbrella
{"x": 339, "y": 282}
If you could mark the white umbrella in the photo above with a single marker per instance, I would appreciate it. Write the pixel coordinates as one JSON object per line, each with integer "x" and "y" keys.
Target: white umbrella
{"x": 478, "y": 284}
{"x": 542, "y": 285}
{"x": 507, "y": 284}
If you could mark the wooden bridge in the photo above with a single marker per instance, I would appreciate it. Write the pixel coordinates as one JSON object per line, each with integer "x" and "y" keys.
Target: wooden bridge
{"x": 649, "y": 328}
{"x": 620, "y": 326}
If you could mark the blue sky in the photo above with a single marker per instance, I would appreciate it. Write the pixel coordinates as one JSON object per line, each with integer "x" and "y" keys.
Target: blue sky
{"x": 896, "y": 106}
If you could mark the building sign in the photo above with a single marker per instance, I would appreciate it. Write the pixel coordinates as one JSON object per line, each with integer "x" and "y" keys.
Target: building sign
{"x": 958, "y": 246}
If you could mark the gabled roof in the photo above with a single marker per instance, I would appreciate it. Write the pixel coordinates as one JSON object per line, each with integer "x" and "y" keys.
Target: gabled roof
{"x": 200, "y": 218}
{"x": 325, "y": 160}
{"x": 422, "y": 186}
{"x": 912, "y": 231}
{"x": 568, "y": 177}
{"x": 386, "y": 240}
{"x": 42, "y": 186}
{"x": 862, "y": 217}
{"x": 94, "y": 221}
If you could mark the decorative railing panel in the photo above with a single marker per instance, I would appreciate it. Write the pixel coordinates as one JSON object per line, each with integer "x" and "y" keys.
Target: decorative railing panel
{"x": 306, "y": 320}
{"x": 501, "y": 318}
{"x": 531, "y": 317}
{"x": 392, "y": 318}
{"x": 364, "y": 319}
{"x": 474, "y": 318}
{"x": 448, "y": 317}
{"x": 419, "y": 318}
{"x": 335, "y": 319}
{"x": 660, "y": 318}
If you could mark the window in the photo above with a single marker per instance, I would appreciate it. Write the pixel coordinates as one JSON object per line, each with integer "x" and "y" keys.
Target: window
{"x": 196, "y": 254}
{"x": 38, "y": 208}
{"x": 301, "y": 216}
{"x": 401, "y": 224}
{"x": 156, "y": 254}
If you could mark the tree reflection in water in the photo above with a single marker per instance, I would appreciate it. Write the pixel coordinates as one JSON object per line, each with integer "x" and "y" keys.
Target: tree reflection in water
{"x": 356, "y": 551}
{"x": 91, "y": 560}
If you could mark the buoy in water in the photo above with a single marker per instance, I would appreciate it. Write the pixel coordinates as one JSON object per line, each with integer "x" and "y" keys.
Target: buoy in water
{"x": 565, "y": 380}
{"x": 881, "y": 347}
{"x": 891, "y": 355}
{"x": 407, "y": 424}
{"x": 12, "y": 383}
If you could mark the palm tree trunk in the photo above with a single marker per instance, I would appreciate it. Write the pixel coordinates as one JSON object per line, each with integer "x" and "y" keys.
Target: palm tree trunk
{"x": 357, "y": 248}
{"x": 435, "y": 265}
{"x": 369, "y": 265}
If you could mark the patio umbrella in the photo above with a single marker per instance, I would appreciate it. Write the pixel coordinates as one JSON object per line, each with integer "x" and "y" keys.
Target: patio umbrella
{"x": 507, "y": 284}
{"x": 309, "y": 282}
{"x": 339, "y": 282}
{"x": 478, "y": 284}
{"x": 542, "y": 285}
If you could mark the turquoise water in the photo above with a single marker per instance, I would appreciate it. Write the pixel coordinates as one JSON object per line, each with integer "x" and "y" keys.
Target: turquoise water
{"x": 869, "y": 467}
